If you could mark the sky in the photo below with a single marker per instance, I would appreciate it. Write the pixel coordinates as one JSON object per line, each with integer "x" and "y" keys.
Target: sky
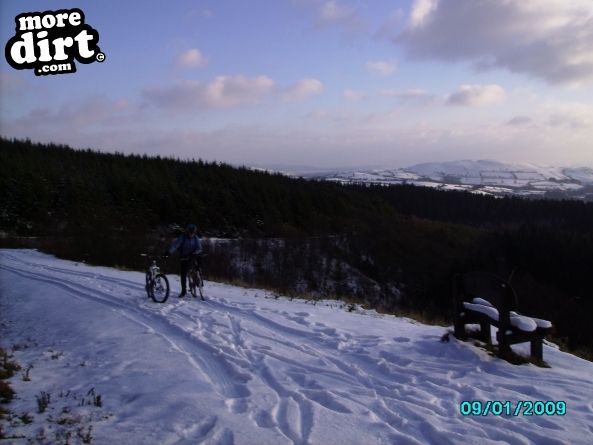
{"x": 318, "y": 83}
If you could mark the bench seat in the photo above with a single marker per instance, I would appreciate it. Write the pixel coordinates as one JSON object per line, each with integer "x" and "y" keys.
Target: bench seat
{"x": 489, "y": 300}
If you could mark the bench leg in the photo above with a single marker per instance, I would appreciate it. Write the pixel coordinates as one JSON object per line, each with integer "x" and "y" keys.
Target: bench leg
{"x": 537, "y": 349}
{"x": 504, "y": 348}
{"x": 459, "y": 328}
{"x": 485, "y": 334}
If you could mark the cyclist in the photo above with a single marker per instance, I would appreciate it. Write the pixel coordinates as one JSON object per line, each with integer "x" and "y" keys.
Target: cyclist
{"x": 189, "y": 246}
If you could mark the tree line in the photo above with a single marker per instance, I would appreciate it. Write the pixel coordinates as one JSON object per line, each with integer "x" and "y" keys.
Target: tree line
{"x": 393, "y": 248}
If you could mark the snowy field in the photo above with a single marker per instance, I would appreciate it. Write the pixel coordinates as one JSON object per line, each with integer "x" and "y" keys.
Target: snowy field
{"x": 488, "y": 177}
{"x": 245, "y": 367}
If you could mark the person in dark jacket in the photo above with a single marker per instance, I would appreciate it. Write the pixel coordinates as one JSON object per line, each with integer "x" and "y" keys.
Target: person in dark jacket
{"x": 189, "y": 246}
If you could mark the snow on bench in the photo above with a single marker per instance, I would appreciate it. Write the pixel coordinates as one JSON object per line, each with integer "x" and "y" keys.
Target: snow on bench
{"x": 490, "y": 311}
{"x": 481, "y": 301}
{"x": 522, "y": 322}
{"x": 542, "y": 324}
{"x": 489, "y": 300}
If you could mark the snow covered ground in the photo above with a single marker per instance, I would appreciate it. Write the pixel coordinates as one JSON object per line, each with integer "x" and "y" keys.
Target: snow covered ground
{"x": 245, "y": 367}
{"x": 483, "y": 177}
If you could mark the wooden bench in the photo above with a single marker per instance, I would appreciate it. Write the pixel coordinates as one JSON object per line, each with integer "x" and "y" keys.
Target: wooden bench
{"x": 488, "y": 300}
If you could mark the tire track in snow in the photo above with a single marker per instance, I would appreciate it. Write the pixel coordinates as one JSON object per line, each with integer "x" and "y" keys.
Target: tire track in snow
{"x": 297, "y": 431}
{"x": 92, "y": 276}
{"x": 293, "y": 413}
{"x": 357, "y": 370}
{"x": 386, "y": 396}
{"x": 342, "y": 374}
{"x": 360, "y": 371}
{"x": 299, "y": 404}
{"x": 199, "y": 354}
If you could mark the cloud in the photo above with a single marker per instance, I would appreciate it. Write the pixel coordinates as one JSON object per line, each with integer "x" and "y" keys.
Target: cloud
{"x": 328, "y": 138}
{"x": 477, "y": 95}
{"x": 11, "y": 84}
{"x": 550, "y": 40}
{"x": 391, "y": 26}
{"x": 519, "y": 121}
{"x": 89, "y": 111}
{"x": 221, "y": 92}
{"x": 353, "y": 95}
{"x": 381, "y": 68}
{"x": 302, "y": 89}
{"x": 411, "y": 95}
{"x": 204, "y": 13}
{"x": 573, "y": 116}
{"x": 191, "y": 58}
{"x": 421, "y": 12}
{"x": 334, "y": 13}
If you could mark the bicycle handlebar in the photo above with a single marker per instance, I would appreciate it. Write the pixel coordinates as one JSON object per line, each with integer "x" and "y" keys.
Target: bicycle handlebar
{"x": 199, "y": 255}
{"x": 154, "y": 256}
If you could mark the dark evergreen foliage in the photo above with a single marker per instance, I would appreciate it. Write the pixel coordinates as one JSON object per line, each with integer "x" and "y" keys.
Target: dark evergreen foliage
{"x": 390, "y": 247}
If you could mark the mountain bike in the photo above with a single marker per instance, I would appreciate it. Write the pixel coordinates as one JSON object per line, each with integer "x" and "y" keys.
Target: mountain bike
{"x": 157, "y": 284}
{"x": 194, "y": 276}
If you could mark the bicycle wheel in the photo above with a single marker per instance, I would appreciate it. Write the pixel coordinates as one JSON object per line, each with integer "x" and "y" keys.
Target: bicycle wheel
{"x": 200, "y": 283}
{"x": 192, "y": 282}
{"x": 147, "y": 286}
{"x": 159, "y": 288}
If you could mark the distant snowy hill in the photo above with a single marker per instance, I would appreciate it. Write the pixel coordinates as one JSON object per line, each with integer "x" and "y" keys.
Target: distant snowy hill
{"x": 483, "y": 176}
{"x": 249, "y": 367}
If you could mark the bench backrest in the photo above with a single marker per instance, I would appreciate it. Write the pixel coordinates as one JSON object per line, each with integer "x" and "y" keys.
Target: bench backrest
{"x": 488, "y": 286}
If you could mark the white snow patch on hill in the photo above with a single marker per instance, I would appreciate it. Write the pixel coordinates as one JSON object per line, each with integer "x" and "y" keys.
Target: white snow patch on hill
{"x": 247, "y": 368}
{"x": 483, "y": 176}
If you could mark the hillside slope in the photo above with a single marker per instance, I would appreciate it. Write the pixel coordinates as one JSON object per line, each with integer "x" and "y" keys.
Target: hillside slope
{"x": 482, "y": 176}
{"x": 402, "y": 243}
{"x": 245, "y": 367}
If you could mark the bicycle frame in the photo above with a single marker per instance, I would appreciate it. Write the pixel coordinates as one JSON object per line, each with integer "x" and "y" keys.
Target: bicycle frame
{"x": 154, "y": 270}
{"x": 194, "y": 275}
{"x": 155, "y": 279}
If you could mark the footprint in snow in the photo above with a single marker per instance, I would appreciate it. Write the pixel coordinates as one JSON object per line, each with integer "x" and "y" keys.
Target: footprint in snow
{"x": 326, "y": 331}
{"x": 326, "y": 399}
{"x": 395, "y": 359}
{"x": 224, "y": 437}
{"x": 299, "y": 320}
{"x": 236, "y": 406}
{"x": 401, "y": 339}
{"x": 543, "y": 422}
{"x": 205, "y": 426}
{"x": 263, "y": 419}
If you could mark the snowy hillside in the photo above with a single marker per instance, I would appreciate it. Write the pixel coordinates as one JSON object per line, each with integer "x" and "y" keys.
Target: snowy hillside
{"x": 245, "y": 367}
{"x": 486, "y": 177}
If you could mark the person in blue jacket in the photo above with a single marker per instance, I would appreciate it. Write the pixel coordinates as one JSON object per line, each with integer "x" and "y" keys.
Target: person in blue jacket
{"x": 189, "y": 246}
